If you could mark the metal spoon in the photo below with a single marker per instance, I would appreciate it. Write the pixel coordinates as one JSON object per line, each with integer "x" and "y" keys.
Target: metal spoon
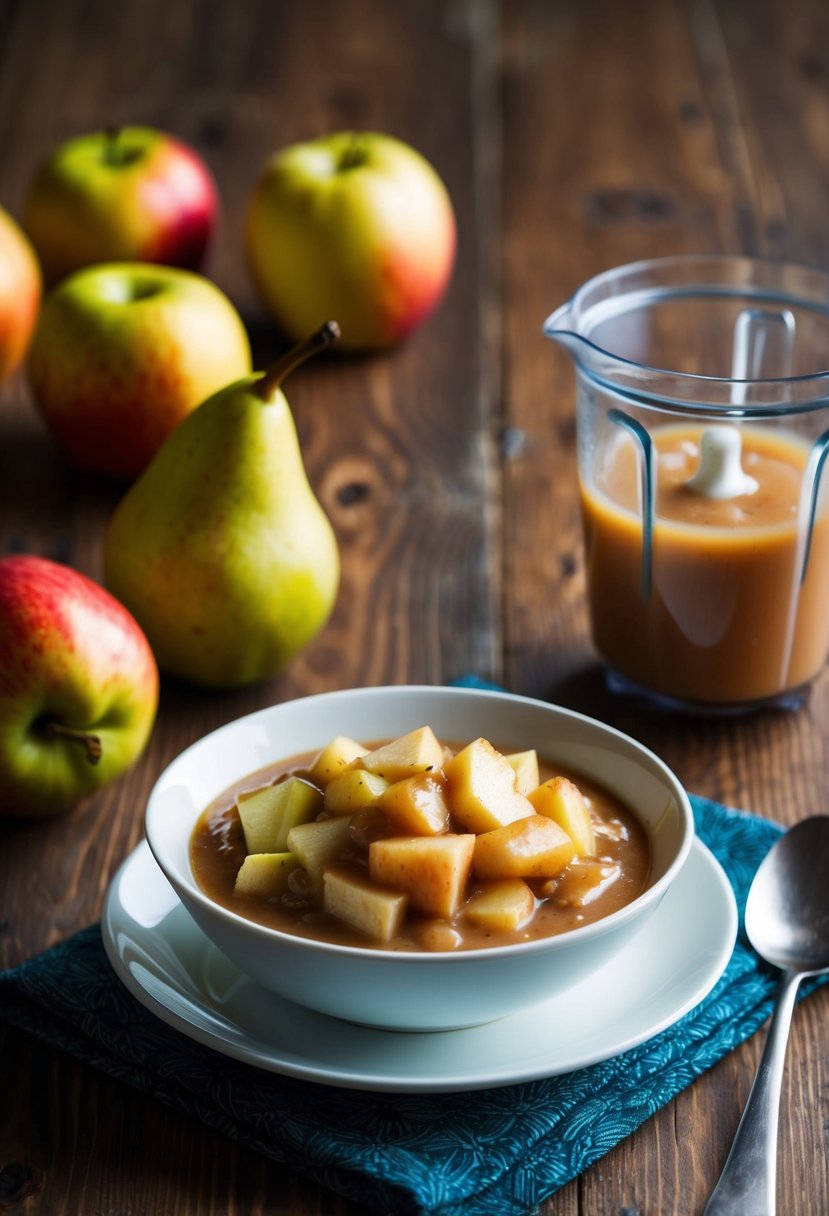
{"x": 787, "y": 922}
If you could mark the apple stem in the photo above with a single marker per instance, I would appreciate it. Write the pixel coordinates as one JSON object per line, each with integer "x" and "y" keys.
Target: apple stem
{"x": 112, "y": 152}
{"x": 325, "y": 336}
{"x": 92, "y": 743}
{"x": 354, "y": 155}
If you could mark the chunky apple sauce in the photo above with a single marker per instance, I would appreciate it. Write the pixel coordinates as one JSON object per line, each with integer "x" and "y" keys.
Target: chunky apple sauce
{"x": 416, "y": 845}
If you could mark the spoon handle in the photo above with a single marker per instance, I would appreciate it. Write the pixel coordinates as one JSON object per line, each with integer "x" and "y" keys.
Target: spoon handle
{"x": 747, "y": 1183}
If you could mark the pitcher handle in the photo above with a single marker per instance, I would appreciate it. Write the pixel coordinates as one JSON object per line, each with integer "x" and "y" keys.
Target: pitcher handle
{"x": 647, "y": 485}
{"x": 814, "y": 472}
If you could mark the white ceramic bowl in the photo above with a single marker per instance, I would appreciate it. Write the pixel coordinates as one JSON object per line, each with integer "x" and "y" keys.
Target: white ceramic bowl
{"x": 410, "y": 991}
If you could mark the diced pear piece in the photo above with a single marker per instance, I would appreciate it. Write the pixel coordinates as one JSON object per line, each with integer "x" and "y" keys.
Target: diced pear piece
{"x": 318, "y": 844}
{"x": 501, "y": 905}
{"x": 481, "y": 788}
{"x": 525, "y": 766}
{"x": 432, "y": 870}
{"x": 562, "y": 801}
{"x": 334, "y": 757}
{"x": 416, "y": 805}
{"x": 417, "y": 752}
{"x": 353, "y": 790}
{"x": 350, "y": 896}
{"x": 584, "y": 881}
{"x": 265, "y": 874}
{"x": 535, "y": 847}
{"x": 269, "y": 813}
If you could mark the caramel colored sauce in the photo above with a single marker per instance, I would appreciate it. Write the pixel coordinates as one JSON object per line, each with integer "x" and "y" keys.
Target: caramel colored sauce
{"x": 218, "y": 849}
{"x": 727, "y": 619}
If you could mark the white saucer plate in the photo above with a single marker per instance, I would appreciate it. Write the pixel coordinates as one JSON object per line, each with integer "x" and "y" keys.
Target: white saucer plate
{"x": 175, "y": 971}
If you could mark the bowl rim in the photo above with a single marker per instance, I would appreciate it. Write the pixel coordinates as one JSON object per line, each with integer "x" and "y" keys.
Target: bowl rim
{"x": 190, "y": 892}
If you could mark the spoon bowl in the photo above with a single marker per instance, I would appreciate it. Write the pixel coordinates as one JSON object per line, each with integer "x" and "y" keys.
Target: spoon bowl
{"x": 787, "y": 923}
{"x": 787, "y": 911}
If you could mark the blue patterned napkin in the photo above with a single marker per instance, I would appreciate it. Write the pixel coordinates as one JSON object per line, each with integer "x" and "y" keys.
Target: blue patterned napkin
{"x": 501, "y": 1150}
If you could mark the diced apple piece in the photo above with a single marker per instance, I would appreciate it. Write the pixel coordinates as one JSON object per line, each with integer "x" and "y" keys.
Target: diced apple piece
{"x": 318, "y": 844}
{"x": 528, "y": 848}
{"x": 416, "y": 805}
{"x": 432, "y": 870}
{"x": 265, "y": 874}
{"x": 353, "y": 790}
{"x": 336, "y": 756}
{"x": 562, "y": 801}
{"x": 584, "y": 881}
{"x": 501, "y": 905}
{"x": 269, "y": 813}
{"x": 525, "y": 766}
{"x": 417, "y": 752}
{"x": 481, "y": 788}
{"x": 350, "y": 896}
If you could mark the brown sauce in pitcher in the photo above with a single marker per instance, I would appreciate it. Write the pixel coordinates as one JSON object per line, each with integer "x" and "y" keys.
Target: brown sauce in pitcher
{"x": 727, "y": 619}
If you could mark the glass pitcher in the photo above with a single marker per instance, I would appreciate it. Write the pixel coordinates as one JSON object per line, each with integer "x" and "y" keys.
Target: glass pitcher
{"x": 703, "y": 430}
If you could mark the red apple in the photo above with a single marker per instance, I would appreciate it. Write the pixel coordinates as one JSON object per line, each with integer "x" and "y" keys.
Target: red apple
{"x": 78, "y": 687}
{"x": 356, "y": 226}
{"x": 130, "y": 194}
{"x": 19, "y": 294}
{"x": 123, "y": 352}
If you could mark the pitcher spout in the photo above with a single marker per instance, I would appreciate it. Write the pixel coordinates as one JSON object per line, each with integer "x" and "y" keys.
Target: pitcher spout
{"x": 560, "y": 327}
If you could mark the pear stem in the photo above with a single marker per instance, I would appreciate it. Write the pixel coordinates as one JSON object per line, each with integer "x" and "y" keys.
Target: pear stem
{"x": 92, "y": 743}
{"x": 325, "y": 336}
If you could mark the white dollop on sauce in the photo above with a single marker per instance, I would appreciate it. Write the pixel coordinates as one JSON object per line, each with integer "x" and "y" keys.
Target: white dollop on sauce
{"x": 720, "y": 473}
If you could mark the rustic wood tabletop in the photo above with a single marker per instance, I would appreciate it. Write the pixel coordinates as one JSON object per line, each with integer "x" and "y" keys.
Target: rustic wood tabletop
{"x": 573, "y": 136}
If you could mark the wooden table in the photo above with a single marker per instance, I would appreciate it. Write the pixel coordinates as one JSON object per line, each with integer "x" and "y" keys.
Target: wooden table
{"x": 573, "y": 137}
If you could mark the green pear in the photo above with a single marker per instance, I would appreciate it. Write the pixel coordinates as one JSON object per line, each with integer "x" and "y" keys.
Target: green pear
{"x": 220, "y": 549}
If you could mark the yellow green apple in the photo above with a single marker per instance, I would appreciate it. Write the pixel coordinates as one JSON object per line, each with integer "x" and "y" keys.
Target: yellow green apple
{"x": 78, "y": 687}
{"x": 356, "y": 225}
{"x": 128, "y": 194}
{"x": 19, "y": 294}
{"x": 122, "y": 352}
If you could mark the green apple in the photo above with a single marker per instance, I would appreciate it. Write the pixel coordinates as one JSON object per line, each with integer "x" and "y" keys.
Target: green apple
{"x": 78, "y": 687}
{"x": 355, "y": 225}
{"x": 123, "y": 352}
{"x": 132, "y": 194}
{"x": 19, "y": 294}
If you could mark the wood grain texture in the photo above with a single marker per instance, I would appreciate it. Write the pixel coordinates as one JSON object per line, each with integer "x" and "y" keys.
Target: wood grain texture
{"x": 573, "y": 137}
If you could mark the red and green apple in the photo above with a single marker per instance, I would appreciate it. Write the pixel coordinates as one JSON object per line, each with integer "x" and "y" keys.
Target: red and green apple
{"x": 122, "y": 352}
{"x": 354, "y": 225}
{"x": 78, "y": 687}
{"x": 19, "y": 294}
{"x": 129, "y": 194}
